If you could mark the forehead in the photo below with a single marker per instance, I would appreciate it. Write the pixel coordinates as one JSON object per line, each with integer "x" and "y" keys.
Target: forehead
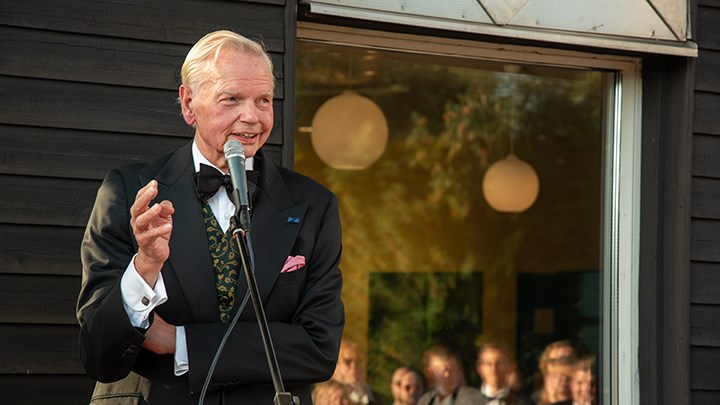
{"x": 398, "y": 374}
{"x": 491, "y": 354}
{"x": 560, "y": 351}
{"x": 235, "y": 67}
{"x": 558, "y": 370}
{"x": 441, "y": 361}
{"x": 582, "y": 375}
{"x": 409, "y": 378}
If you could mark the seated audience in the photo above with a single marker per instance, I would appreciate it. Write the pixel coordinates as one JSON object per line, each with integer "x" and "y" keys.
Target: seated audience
{"x": 351, "y": 371}
{"x": 494, "y": 368}
{"x": 406, "y": 386}
{"x": 331, "y": 393}
{"x": 445, "y": 378}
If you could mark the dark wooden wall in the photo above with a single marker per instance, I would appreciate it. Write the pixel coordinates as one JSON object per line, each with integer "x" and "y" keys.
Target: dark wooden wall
{"x": 88, "y": 85}
{"x": 705, "y": 222}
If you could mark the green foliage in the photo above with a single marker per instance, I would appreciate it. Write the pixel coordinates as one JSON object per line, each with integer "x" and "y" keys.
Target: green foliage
{"x": 411, "y": 311}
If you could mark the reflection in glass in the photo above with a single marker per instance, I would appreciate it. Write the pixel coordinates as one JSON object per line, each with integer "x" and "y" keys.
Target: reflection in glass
{"x": 422, "y": 246}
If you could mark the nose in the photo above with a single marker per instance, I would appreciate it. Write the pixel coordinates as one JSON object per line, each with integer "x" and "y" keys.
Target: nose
{"x": 248, "y": 113}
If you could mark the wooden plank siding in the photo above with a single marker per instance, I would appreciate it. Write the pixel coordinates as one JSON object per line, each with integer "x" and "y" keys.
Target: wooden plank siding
{"x": 705, "y": 220}
{"x": 91, "y": 85}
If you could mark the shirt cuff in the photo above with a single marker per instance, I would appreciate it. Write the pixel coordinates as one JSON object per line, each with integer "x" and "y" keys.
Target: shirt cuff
{"x": 139, "y": 299}
{"x": 182, "y": 365}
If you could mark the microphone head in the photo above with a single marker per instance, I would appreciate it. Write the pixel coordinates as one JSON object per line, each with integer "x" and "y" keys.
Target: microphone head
{"x": 233, "y": 148}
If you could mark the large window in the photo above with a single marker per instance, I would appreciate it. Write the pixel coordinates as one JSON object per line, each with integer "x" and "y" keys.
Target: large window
{"x": 430, "y": 255}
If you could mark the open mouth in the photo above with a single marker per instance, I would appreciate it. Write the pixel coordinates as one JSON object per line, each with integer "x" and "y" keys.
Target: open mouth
{"x": 244, "y": 136}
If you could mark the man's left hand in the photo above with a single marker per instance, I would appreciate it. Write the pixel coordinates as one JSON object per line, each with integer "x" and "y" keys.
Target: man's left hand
{"x": 160, "y": 337}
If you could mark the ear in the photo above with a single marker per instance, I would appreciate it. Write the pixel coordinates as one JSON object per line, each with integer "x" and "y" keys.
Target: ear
{"x": 186, "y": 99}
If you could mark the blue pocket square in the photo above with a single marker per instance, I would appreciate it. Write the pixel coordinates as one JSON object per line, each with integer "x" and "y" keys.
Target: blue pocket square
{"x": 293, "y": 220}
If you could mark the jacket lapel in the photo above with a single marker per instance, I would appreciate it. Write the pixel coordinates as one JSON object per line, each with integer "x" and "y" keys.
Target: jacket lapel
{"x": 189, "y": 254}
{"x": 276, "y": 221}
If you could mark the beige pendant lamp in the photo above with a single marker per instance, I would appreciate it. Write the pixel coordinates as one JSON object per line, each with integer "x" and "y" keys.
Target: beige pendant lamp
{"x": 510, "y": 185}
{"x": 349, "y": 132}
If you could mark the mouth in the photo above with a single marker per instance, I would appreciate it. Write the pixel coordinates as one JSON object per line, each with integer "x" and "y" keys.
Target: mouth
{"x": 244, "y": 136}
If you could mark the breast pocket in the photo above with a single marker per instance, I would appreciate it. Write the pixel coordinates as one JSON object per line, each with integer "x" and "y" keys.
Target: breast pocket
{"x": 284, "y": 298}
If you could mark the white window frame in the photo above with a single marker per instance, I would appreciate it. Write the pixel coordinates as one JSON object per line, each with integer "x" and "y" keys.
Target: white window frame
{"x": 621, "y": 264}
{"x": 652, "y": 26}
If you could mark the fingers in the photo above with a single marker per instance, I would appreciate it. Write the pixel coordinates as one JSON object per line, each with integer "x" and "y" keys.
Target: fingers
{"x": 166, "y": 209}
{"x": 142, "y": 215}
{"x": 152, "y": 215}
{"x": 143, "y": 198}
{"x": 152, "y": 227}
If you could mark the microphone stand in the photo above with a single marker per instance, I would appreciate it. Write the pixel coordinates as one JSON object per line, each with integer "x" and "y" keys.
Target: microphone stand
{"x": 241, "y": 233}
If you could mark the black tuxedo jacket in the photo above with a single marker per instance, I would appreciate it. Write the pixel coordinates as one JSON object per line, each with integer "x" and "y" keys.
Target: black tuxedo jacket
{"x": 292, "y": 215}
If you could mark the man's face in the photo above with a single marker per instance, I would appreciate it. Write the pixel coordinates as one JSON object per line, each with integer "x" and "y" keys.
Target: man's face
{"x": 235, "y": 103}
{"x": 493, "y": 368}
{"x": 582, "y": 387}
{"x": 445, "y": 373}
{"x": 396, "y": 381}
{"x": 556, "y": 383}
{"x": 348, "y": 368}
{"x": 407, "y": 390}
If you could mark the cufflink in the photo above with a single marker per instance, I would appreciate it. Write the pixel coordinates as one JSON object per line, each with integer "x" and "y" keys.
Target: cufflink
{"x": 145, "y": 301}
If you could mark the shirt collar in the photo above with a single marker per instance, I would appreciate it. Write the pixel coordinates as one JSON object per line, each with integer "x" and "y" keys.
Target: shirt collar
{"x": 488, "y": 392}
{"x": 200, "y": 158}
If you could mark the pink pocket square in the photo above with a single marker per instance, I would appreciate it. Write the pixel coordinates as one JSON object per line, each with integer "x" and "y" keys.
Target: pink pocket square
{"x": 293, "y": 263}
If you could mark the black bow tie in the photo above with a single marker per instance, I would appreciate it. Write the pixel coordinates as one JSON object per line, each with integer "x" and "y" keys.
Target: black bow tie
{"x": 209, "y": 180}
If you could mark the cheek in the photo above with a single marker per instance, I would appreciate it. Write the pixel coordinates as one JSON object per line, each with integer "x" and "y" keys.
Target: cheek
{"x": 267, "y": 119}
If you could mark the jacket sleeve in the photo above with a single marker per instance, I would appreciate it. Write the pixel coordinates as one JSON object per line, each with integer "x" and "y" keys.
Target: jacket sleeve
{"x": 108, "y": 342}
{"x": 307, "y": 346}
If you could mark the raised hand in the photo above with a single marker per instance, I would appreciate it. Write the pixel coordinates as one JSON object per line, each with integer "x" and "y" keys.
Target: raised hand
{"x": 152, "y": 226}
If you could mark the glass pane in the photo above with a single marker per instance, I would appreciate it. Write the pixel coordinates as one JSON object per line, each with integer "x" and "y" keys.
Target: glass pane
{"x": 426, "y": 258}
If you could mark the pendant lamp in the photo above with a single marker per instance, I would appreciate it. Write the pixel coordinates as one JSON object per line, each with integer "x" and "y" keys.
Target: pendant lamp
{"x": 510, "y": 185}
{"x": 349, "y": 132}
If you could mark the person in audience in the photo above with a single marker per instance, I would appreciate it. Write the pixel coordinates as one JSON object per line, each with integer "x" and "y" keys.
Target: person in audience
{"x": 494, "y": 367}
{"x": 331, "y": 392}
{"x": 406, "y": 386}
{"x": 582, "y": 381}
{"x": 443, "y": 370}
{"x": 556, "y": 382}
{"x": 555, "y": 363}
{"x": 350, "y": 370}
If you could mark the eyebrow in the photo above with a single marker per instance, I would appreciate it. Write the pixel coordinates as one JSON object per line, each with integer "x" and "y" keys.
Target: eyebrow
{"x": 269, "y": 94}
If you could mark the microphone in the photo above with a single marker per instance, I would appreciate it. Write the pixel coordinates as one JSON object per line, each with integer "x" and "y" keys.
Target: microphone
{"x": 235, "y": 159}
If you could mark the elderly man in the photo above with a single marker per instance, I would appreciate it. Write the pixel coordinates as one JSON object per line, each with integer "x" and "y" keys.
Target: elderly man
{"x": 161, "y": 277}
{"x": 445, "y": 378}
